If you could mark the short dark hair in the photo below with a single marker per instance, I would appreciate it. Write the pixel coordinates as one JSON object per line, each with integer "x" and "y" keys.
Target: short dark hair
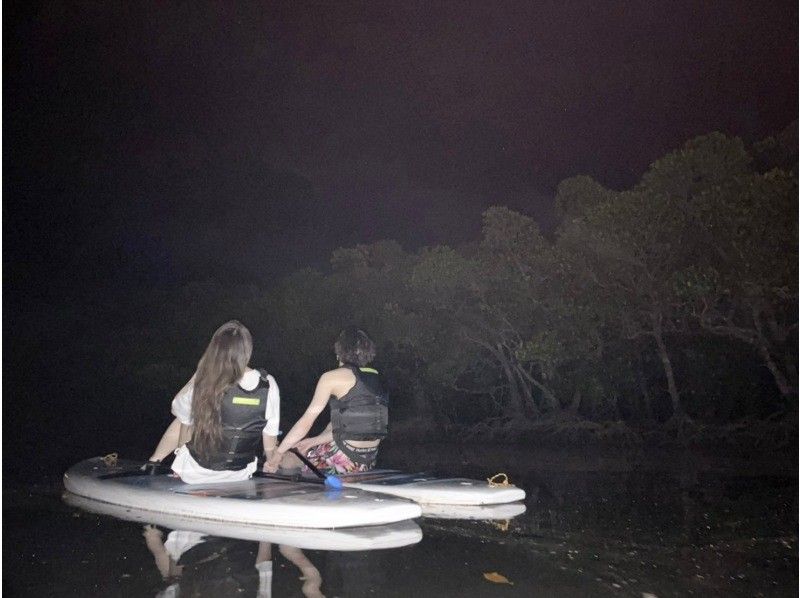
{"x": 354, "y": 347}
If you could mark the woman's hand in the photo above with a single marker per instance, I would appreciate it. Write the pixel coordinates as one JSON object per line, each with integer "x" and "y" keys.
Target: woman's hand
{"x": 306, "y": 444}
{"x": 271, "y": 465}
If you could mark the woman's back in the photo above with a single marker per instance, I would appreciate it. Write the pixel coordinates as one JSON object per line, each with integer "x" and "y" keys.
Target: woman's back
{"x": 233, "y": 411}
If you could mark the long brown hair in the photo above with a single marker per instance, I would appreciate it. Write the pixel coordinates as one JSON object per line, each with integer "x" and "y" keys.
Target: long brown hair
{"x": 222, "y": 365}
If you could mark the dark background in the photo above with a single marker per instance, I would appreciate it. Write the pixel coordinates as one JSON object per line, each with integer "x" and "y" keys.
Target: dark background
{"x": 151, "y": 147}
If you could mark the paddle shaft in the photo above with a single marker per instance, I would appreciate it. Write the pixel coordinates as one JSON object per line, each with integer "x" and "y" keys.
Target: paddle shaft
{"x": 308, "y": 463}
{"x": 287, "y": 478}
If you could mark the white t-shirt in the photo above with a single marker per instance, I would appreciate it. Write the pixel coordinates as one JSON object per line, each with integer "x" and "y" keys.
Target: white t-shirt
{"x": 192, "y": 472}
{"x": 179, "y": 541}
{"x": 182, "y": 403}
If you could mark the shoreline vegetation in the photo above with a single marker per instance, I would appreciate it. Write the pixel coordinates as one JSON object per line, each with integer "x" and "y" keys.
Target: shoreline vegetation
{"x": 663, "y": 314}
{"x": 776, "y": 435}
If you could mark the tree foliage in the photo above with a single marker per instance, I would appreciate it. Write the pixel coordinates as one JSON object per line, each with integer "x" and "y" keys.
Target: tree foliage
{"x": 675, "y": 298}
{"x": 611, "y": 317}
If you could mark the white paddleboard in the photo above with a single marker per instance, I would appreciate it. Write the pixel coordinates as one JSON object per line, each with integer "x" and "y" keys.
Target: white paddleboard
{"x": 257, "y": 502}
{"x": 373, "y": 537}
{"x": 430, "y": 490}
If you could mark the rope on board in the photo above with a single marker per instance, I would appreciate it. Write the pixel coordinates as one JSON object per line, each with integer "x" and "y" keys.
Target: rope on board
{"x": 493, "y": 483}
{"x": 502, "y": 525}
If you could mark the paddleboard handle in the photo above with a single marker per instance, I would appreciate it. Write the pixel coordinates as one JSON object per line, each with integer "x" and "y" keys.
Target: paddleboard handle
{"x": 154, "y": 468}
{"x": 330, "y": 480}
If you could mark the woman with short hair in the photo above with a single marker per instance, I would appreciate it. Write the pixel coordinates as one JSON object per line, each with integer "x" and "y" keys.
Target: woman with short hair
{"x": 359, "y": 412}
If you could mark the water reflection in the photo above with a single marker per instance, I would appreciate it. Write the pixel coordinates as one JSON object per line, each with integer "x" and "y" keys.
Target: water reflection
{"x": 195, "y": 564}
{"x": 374, "y": 537}
{"x": 675, "y": 527}
{"x": 206, "y": 558}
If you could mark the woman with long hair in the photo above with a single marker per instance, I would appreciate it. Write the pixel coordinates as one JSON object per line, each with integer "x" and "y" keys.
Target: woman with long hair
{"x": 228, "y": 412}
{"x": 359, "y": 412}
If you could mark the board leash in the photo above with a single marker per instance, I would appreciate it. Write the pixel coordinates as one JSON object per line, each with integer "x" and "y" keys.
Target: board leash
{"x": 111, "y": 459}
{"x": 495, "y": 484}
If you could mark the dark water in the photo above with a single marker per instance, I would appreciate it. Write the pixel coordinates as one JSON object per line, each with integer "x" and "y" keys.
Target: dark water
{"x": 595, "y": 525}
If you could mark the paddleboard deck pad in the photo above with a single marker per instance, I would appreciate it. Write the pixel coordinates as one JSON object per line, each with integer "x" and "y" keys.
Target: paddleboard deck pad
{"x": 373, "y": 537}
{"x": 255, "y": 502}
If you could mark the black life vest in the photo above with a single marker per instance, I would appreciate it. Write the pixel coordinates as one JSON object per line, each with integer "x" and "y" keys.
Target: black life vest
{"x": 242, "y": 415}
{"x": 363, "y": 413}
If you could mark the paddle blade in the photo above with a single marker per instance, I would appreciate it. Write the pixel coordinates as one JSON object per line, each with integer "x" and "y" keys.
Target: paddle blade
{"x": 333, "y": 482}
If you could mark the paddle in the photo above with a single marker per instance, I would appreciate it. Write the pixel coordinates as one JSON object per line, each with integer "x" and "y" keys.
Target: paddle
{"x": 330, "y": 480}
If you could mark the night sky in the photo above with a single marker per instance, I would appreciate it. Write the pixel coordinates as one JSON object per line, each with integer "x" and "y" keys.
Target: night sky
{"x": 174, "y": 141}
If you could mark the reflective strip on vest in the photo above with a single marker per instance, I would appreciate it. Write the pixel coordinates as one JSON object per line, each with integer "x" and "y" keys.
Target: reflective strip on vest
{"x": 246, "y": 401}
{"x": 369, "y": 370}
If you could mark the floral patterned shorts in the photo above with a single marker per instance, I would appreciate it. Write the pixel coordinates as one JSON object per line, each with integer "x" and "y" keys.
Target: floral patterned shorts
{"x": 329, "y": 458}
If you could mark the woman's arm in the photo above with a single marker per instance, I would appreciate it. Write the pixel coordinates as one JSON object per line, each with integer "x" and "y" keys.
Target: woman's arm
{"x": 325, "y": 387}
{"x": 185, "y": 434}
{"x": 272, "y": 414}
{"x": 270, "y": 444}
{"x": 181, "y": 409}
{"x": 182, "y": 403}
{"x": 168, "y": 442}
{"x": 308, "y": 443}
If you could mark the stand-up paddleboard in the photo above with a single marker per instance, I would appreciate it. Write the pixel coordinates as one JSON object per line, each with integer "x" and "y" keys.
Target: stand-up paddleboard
{"x": 373, "y": 537}
{"x": 430, "y": 490}
{"x": 257, "y": 502}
